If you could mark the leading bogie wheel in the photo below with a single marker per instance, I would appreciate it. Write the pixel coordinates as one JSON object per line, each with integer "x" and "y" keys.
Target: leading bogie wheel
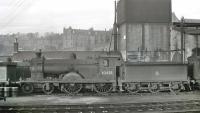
{"x": 48, "y": 88}
{"x": 27, "y": 88}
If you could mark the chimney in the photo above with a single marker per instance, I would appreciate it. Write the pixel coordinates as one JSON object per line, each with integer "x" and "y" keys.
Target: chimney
{"x": 16, "y": 46}
{"x": 38, "y": 54}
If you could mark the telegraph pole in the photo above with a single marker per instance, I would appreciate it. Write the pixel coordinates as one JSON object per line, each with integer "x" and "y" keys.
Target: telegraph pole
{"x": 182, "y": 39}
{"x": 197, "y": 45}
{"x": 115, "y": 29}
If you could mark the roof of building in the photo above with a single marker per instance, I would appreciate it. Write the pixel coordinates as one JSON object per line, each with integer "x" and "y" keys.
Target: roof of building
{"x": 192, "y": 21}
{"x": 4, "y": 58}
{"x": 191, "y": 26}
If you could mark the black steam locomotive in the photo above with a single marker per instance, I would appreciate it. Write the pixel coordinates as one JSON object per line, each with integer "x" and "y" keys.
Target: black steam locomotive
{"x": 102, "y": 72}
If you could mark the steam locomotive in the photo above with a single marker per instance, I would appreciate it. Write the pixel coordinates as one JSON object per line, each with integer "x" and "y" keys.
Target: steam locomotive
{"x": 99, "y": 71}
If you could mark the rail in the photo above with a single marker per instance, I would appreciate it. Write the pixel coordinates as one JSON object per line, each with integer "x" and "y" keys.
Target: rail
{"x": 152, "y": 107}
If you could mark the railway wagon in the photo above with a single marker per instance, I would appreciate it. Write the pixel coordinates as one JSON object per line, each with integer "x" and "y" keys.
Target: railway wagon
{"x": 154, "y": 77}
{"x": 7, "y": 73}
{"x": 82, "y": 70}
{"x": 194, "y": 68}
{"x": 12, "y": 72}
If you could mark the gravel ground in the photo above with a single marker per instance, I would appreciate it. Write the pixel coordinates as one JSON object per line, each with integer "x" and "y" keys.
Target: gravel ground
{"x": 76, "y": 100}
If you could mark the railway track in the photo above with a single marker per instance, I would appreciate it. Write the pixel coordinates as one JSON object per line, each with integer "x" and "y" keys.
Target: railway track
{"x": 192, "y": 106}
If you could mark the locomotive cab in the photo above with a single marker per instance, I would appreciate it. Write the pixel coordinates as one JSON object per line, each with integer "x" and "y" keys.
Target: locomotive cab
{"x": 109, "y": 65}
{"x": 110, "y": 69}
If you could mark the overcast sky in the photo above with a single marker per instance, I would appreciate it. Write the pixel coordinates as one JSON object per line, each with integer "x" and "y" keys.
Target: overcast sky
{"x": 52, "y": 15}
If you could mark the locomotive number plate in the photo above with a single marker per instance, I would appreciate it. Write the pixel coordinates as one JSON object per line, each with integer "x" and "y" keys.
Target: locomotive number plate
{"x": 107, "y": 72}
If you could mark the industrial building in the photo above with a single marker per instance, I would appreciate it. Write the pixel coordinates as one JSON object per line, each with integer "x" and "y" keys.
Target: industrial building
{"x": 143, "y": 25}
{"x": 146, "y": 32}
